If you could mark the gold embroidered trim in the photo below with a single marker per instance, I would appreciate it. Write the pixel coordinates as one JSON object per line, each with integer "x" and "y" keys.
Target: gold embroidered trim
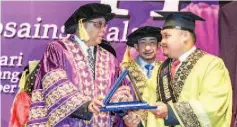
{"x": 64, "y": 89}
{"x": 87, "y": 85}
{"x": 65, "y": 109}
{"x": 37, "y": 96}
{"x": 53, "y": 77}
{"x": 37, "y": 112}
{"x": 186, "y": 114}
{"x": 166, "y": 87}
{"x": 137, "y": 74}
{"x": 183, "y": 72}
{"x": 102, "y": 79}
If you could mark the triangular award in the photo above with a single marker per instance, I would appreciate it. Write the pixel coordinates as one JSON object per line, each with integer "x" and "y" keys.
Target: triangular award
{"x": 122, "y": 106}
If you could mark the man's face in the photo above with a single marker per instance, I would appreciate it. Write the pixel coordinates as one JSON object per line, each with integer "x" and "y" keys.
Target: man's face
{"x": 171, "y": 43}
{"x": 147, "y": 48}
{"x": 96, "y": 29}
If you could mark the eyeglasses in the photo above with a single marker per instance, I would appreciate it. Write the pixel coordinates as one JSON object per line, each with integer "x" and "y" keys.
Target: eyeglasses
{"x": 145, "y": 43}
{"x": 99, "y": 24}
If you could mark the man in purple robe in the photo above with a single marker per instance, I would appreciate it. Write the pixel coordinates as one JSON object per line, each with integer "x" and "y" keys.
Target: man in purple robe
{"x": 76, "y": 74}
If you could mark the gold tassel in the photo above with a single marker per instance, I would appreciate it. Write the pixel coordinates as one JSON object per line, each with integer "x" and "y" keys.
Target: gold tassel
{"x": 82, "y": 31}
{"x": 126, "y": 56}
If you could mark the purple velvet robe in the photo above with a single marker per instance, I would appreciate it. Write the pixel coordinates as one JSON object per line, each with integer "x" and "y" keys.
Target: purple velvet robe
{"x": 65, "y": 83}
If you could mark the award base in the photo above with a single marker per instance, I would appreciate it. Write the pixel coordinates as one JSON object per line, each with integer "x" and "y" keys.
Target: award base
{"x": 123, "y": 106}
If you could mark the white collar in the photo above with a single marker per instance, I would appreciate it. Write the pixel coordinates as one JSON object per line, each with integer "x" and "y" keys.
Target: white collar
{"x": 185, "y": 55}
{"x": 83, "y": 46}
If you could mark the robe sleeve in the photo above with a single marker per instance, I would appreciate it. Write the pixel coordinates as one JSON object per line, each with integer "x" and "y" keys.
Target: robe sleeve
{"x": 55, "y": 97}
{"x": 171, "y": 119}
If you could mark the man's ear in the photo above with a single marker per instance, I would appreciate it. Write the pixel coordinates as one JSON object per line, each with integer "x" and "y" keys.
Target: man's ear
{"x": 185, "y": 36}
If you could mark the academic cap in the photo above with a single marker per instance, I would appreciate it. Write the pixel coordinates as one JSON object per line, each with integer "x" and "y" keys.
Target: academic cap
{"x": 146, "y": 31}
{"x": 180, "y": 20}
{"x": 88, "y": 12}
